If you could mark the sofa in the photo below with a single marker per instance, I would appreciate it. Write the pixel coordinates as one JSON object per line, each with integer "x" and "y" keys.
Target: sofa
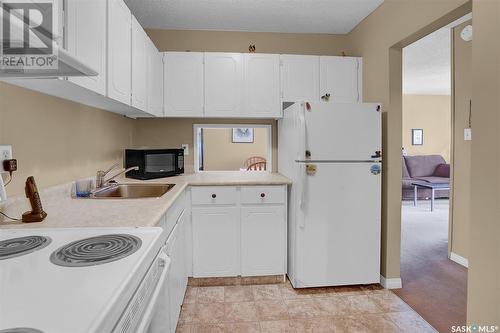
{"x": 429, "y": 168}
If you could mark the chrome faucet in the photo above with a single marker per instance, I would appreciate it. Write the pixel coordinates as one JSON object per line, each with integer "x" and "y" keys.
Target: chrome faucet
{"x": 100, "y": 180}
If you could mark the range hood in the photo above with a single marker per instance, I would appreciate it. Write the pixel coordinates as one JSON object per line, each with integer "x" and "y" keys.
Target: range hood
{"x": 68, "y": 65}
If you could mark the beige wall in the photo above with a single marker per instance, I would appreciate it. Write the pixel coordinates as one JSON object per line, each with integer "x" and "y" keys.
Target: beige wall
{"x": 171, "y": 133}
{"x": 483, "y": 304}
{"x": 461, "y": 165}
{"x": 379, "y": 39}
{"x": 57, "y": 140}
{"x": 221, "y": 153}
{"x": 432, "y": 113}
{"x": 229, "y": 41}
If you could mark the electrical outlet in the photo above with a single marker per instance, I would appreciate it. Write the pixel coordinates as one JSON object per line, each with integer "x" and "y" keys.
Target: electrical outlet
{"x": 5, "y": 154}
{"x": 185, "y": 146}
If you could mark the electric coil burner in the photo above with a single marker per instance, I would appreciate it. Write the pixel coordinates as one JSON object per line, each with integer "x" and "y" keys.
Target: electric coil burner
{"x": 96, "y": 250}
{"x": 16, "y": 247}
{"x": 20, "y": 330}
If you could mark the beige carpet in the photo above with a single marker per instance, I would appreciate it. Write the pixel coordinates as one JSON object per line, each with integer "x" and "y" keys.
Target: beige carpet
{"x": 433, "y": 285}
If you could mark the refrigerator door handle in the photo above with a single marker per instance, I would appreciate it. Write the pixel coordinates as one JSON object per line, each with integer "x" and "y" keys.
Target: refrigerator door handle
{"x": 301, "y": 153}
{"x": 303, "y": 195}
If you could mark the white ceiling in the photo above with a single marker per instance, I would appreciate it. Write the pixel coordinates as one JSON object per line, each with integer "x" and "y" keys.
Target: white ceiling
{"x": 294, "y": 16}
{"x": 427, "y": 63}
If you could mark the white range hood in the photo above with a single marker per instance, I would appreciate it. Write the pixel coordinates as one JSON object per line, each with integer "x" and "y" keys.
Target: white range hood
{"x": 68, "y": 65}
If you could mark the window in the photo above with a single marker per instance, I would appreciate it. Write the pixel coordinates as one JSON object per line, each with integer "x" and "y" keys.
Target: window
{"x": 239, "y": 147}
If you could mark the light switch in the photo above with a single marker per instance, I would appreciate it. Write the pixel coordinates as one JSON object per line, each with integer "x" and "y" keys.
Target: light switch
{"x": 467, "y": 134}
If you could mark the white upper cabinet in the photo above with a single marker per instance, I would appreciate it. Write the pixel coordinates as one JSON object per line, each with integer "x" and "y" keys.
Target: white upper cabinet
{"x": 261, "y": 85}
{"x": 223, "y": 84}
{"x": 119, "y": 51}
{"x": 299, "y": 78}
{"x": 340, "y": 79}
{"x": 155, "y": 80}
{"x": 139, "y": 66}
{"x": 183, "y": 84}
{"x": 86, "y": 39}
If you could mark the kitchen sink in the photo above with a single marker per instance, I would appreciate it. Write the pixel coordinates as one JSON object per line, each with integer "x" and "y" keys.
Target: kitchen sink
{"x": 132, "y": 191}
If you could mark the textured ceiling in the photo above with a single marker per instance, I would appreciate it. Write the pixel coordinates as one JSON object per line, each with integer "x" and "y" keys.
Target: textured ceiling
{"x": 427, "y": 63}
{"x": 294, "y": 16}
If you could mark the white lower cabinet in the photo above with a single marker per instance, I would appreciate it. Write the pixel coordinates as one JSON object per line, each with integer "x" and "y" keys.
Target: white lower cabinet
{"x": 177, "y": 280}
{"x": 215, "y": 241}
{"x": 176, "y": 225}
{"x": 239, "y": 230}
{"x": 263, "y": 240}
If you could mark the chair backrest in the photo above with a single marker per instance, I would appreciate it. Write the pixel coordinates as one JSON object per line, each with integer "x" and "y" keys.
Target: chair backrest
{"x": 252, "y": 160}
{"x": 258, "y": 166}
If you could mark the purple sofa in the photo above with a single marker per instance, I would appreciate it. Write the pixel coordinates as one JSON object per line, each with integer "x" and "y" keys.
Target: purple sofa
{"x": 429, "y": 168}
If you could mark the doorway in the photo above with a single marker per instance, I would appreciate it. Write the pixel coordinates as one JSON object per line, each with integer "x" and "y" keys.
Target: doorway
{"x": 434, "y": 278}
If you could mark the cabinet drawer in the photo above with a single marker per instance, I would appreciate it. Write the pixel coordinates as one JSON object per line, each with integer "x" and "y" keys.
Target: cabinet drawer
{"x": 263, "y": 194}
{"x": 173, "y": 213}
{"x": 213, "y": 195}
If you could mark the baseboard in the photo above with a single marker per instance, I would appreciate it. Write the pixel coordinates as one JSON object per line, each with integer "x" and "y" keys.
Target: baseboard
{"x": 392, "y": 283}
{"x": 459, "y": 260}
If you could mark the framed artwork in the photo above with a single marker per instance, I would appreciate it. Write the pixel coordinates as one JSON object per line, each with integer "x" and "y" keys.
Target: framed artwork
{"x": 417, "y": 136}
{"x": 243, "y": 135}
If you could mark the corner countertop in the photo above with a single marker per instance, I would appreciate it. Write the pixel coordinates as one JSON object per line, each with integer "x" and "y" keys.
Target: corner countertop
{"x": 66, "y": 212}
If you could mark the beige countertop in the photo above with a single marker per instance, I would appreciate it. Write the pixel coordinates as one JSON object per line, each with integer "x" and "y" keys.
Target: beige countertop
{"x": 66, "y": 212}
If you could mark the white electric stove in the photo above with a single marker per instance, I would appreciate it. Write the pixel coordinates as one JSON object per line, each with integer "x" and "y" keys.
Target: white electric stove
{"x": 80, "y": 280}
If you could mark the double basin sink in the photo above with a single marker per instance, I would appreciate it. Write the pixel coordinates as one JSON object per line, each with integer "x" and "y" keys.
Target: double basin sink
{"x": 132, "y": 191}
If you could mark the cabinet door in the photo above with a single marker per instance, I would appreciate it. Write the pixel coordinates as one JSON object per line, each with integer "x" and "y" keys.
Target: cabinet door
{"x": 216, "y": 241}
{"x": 86, "y": 39}
{"x": 299, "y": 78}
{"x": 223, "y": 84}
{"x": 341, "y": 78}
{"x": 262, "y": 85}
{"x": 263, "y": 240}
{"x": 155, "y": 81}
{"x": 183, "y": 84}
{"x": 139, "y": 66}
{"x": 119, "y": 51}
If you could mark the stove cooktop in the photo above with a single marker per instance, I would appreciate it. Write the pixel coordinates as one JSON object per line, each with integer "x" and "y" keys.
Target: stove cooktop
{"x": 88, "y": 298}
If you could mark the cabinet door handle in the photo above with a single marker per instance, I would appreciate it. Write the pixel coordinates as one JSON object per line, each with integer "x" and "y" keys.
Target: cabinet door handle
{"x": 262, "y": 195}
{"x": 214, "y": 196}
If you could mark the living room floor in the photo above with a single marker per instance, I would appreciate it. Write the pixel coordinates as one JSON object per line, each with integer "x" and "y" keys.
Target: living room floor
{"x": 433, "y": 285}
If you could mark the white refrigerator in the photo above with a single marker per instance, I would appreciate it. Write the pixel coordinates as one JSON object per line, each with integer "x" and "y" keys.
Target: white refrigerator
{"x": 331, "y": 151}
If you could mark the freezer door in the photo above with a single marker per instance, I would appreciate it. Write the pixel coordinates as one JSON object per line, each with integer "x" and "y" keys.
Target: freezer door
{"x": 337, "y": 232}
{"x": 342, "y": 131}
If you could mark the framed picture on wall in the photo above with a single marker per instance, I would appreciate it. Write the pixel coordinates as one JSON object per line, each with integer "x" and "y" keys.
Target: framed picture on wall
{"x": 242, "y": 135}
{"x": 417, "y": 136}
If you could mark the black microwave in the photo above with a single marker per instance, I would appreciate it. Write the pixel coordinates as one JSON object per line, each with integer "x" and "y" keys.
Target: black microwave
{"x": 154, "y": 163}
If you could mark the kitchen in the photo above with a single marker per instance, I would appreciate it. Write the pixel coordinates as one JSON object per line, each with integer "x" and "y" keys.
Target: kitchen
{"x": 210, "y": 229}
